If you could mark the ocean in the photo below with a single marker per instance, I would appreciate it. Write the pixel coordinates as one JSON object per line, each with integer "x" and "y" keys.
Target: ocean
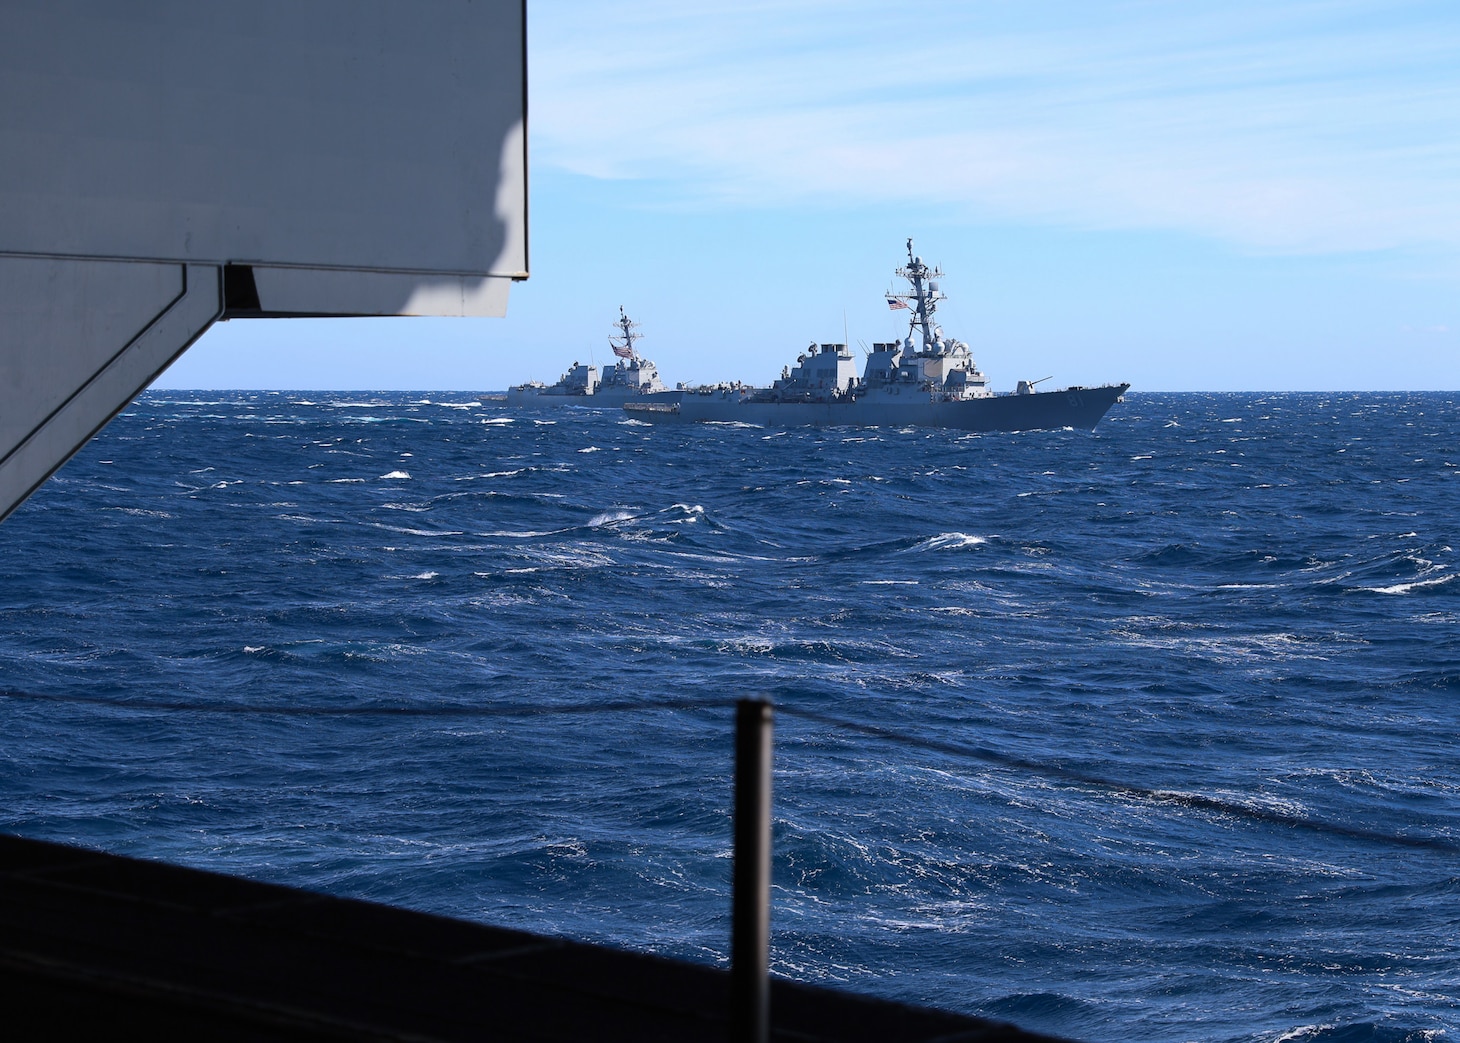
{"x": 1141, "y": 734}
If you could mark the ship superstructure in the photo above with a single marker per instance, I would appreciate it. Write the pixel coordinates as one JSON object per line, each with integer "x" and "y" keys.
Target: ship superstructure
{"x": 631, "y": 378}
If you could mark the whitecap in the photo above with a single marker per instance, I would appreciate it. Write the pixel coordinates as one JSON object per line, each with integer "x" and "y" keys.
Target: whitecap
{"x": 489, "y": 474}
{"x": 609, "y": 517}
{"x": 945, "y": 540}
{"x": 1405, "y": 588}
{"x": 396, "y": 474}
{"x": 139, "y": 512}
{"x": 404, "y": 531}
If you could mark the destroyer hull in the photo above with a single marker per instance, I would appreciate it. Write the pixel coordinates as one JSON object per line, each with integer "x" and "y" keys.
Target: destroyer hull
{"x": 1079, "y": 408}
{"x": 610, "y": 399}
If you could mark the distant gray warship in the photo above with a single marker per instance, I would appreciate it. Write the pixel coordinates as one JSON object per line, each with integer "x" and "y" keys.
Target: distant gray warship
{"x": 631, "y": 379}
{"x": 934, "y": 385}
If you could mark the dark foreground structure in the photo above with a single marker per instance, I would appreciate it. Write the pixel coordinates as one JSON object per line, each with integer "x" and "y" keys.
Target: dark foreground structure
{"x": 94, "y": 945}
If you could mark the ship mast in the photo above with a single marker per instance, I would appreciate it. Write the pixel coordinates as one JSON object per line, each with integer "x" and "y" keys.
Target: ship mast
{"x": 924, "y": 297}
{"x": 622, "y": 343}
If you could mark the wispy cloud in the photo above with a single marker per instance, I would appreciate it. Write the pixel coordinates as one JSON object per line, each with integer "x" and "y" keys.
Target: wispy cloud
{"x": 1313, "y": 126}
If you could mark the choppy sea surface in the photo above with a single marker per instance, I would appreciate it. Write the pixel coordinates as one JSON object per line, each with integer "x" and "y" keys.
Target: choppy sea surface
{"x": 1145, "y": 734}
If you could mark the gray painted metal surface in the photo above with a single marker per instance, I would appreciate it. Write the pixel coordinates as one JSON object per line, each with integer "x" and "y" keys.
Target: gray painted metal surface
{"x": 338, "y": 134}
{"x": 81, "y": 339}
{"x": 1078, "y": 408}
{"x": 168, "y": 163}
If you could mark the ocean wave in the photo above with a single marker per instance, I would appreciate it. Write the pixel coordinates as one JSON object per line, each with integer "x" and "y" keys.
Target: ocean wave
{"x": 1358, "y": 1032}
{"x": 1413, "y": 585}
{"x": 610, "y": 518}
{"x": 950, "y": 541}
{"x": 407, "y": 531}
{"x": 139, "y": 512}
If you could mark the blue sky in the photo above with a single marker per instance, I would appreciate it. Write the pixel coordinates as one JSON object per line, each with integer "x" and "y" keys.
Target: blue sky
{"x": 1185, "y": 196}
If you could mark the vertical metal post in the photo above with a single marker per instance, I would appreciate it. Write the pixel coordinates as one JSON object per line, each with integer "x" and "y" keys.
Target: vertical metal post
{"x": 750, "y": 930}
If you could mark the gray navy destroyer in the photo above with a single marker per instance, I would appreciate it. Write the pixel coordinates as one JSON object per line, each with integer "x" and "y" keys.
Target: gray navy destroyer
{"x": 926, "y": 380}
{"x": 631, "y": 379}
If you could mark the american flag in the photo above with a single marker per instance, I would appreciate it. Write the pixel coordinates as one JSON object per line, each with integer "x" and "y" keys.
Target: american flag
{"x": 623, "y": 351}
{"x": 894, "y": 304}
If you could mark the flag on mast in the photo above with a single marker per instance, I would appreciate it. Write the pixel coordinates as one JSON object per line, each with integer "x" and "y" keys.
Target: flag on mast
{"x": 894, "y": 304}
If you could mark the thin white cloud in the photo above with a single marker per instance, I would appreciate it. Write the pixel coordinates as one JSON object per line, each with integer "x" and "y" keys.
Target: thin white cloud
{"x": 1302, "y": 126}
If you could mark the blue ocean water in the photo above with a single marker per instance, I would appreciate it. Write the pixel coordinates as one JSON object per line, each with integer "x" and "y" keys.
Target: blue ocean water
{"x": 1152, "y": 730}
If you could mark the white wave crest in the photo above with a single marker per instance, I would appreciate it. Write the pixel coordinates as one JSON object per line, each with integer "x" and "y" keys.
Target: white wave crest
{"x": 950, "y": 540}
{"x": 397, "y": 474}
{"x": 1405, "y": 588}
{"x": 139, "y": 512}
{"x": 609, "y": 517}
